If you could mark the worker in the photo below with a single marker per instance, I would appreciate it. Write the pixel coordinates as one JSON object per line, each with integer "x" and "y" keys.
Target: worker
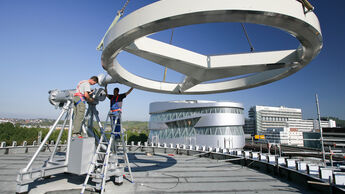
{"x": 82, "y": 95}
{"x": 116, "y": 105}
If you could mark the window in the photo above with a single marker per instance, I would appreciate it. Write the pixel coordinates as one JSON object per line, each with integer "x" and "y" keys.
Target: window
{"x": 189, "y": 112}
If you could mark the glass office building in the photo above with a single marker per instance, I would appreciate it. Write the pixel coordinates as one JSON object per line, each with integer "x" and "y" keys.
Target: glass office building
{"x": 194, "y": 122}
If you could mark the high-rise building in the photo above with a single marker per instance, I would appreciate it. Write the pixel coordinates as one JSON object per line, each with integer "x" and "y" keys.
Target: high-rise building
{"x": 267, "y": 117}
{"x": 263, "y": 118}
{"x": 281, "y": 124}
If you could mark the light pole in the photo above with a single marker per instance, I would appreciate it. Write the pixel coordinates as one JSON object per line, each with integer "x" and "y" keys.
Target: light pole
{"x": 321, "y": 133}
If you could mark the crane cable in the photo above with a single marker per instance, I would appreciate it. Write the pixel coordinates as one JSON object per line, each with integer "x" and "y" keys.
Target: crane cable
{"x": 245, "y": 32}
{"x": 117, "y": 17}
{"x": 165, "y": 70}
{"x": 307, "y": 5}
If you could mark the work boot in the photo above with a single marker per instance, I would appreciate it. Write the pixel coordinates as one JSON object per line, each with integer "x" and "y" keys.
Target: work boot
{"x": 84, "y": 134}
{"x": 76, "y": 135}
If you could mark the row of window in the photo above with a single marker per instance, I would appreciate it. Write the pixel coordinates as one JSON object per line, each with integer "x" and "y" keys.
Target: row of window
{"x": 183, "y": 123}
{"x": 189, "y": 112}
{"x": 228, "y": 130}
{"x": 275, "y": 118}
{"x": 190, "y": 132}
{"x": 269, "y": 114}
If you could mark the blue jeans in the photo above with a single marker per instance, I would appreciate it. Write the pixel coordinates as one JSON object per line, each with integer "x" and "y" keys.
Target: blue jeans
{"x": 118, "y": 124}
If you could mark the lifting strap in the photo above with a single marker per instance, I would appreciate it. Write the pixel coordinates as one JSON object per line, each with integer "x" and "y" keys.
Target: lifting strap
{"x": 117, "y": 17}
{"x": 117, "y": 107}
{"x": 245, "y": 32}
{"x": 78, "y": 93}
{"x": 165, "y": 70}
{"x": 307, "y": 5}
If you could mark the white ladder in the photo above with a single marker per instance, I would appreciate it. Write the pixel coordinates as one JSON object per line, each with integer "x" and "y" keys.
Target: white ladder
{"x": 98, "y": 168}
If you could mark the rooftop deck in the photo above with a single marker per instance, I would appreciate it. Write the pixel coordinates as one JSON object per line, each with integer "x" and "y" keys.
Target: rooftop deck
{"x": 157, "y": 173}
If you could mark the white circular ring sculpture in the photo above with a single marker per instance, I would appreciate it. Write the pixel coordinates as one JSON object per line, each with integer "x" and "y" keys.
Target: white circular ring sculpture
{"x": 129, "y": 34}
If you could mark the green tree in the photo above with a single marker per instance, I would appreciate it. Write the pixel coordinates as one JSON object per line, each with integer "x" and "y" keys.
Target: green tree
{"x": 10, "y": 133}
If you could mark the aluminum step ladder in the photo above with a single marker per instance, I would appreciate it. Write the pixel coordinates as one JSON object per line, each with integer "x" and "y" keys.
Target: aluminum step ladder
{"x": 107, "y": 155}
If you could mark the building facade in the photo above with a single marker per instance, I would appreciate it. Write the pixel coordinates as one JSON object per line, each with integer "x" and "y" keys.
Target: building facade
{"x": 284, "y": 136}
{"x": 194, "y": 122}
{"x": 266, "y": 117}
{"x": 262, "y": 118}
{"x": 281, "y": 124}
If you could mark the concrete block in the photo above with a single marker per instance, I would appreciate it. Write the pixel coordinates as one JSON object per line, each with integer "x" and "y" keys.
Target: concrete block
{"x": 246, "y": 154}
{"x": 313, "y": 169}
{"x": 339, "y": 178}
{"x": 190, "y": 147}
{"x": 158, "y": 144}
{"x": 225, "y": 150}
{"x": 80, "y": 156}
{"x": 326, "y": 173}
{"x": 239, "y": 153}
{"x": 171, "y": 145}
{"x": 217, "y": 150}
{"x": 255, "y": 155}
{"x": 291, "y": 163}
{"x": 281, "y": 161}
{"x": 210, "y": 149}
{"x": 139, "y": 143}
{"x": 196, "y": 147}
{"x": 301, "y": 165}
{"x": 178, "y": 146}
{"x": 263, "y": 157}
{"x": 132, "y": 143}
{"x": 204, "y": 148}
{"x": 145, "y": 144}
{"x": 184, "y": 146}
{"x": 164, "y": 145}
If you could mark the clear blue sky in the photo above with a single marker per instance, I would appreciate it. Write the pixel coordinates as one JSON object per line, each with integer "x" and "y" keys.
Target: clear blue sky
{"x": 51, "y": 44}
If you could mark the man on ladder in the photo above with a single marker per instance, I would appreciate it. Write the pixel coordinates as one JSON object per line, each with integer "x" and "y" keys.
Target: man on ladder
{"x": 80, "y": 97}
{"x": 116, "y": 105}
{"x": 104, "y": 163}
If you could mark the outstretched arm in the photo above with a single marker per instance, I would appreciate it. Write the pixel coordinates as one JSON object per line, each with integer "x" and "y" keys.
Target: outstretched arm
{"x": 106, "y": 90}
{"x": 129, "y": 91}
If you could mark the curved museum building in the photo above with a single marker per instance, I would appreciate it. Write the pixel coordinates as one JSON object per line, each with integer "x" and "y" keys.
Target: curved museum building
{"x": 195, "y": 122}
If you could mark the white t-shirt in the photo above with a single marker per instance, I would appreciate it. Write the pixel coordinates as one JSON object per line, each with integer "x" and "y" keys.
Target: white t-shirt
{"x": 84, "y": 87}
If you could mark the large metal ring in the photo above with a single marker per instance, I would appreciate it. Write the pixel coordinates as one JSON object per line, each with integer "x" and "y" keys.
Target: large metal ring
{"x": 129, "y": 34}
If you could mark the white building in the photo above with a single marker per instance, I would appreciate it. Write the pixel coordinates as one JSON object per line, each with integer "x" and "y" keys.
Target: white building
{"x": 194, "y": 122}
{"x": 286, "y": 136}
{"x": 267, "y": 117}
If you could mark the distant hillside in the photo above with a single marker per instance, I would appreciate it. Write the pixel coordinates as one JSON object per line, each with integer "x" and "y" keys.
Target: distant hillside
{"x": 136, "y": 131}
{"x": 135, "y": 125}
